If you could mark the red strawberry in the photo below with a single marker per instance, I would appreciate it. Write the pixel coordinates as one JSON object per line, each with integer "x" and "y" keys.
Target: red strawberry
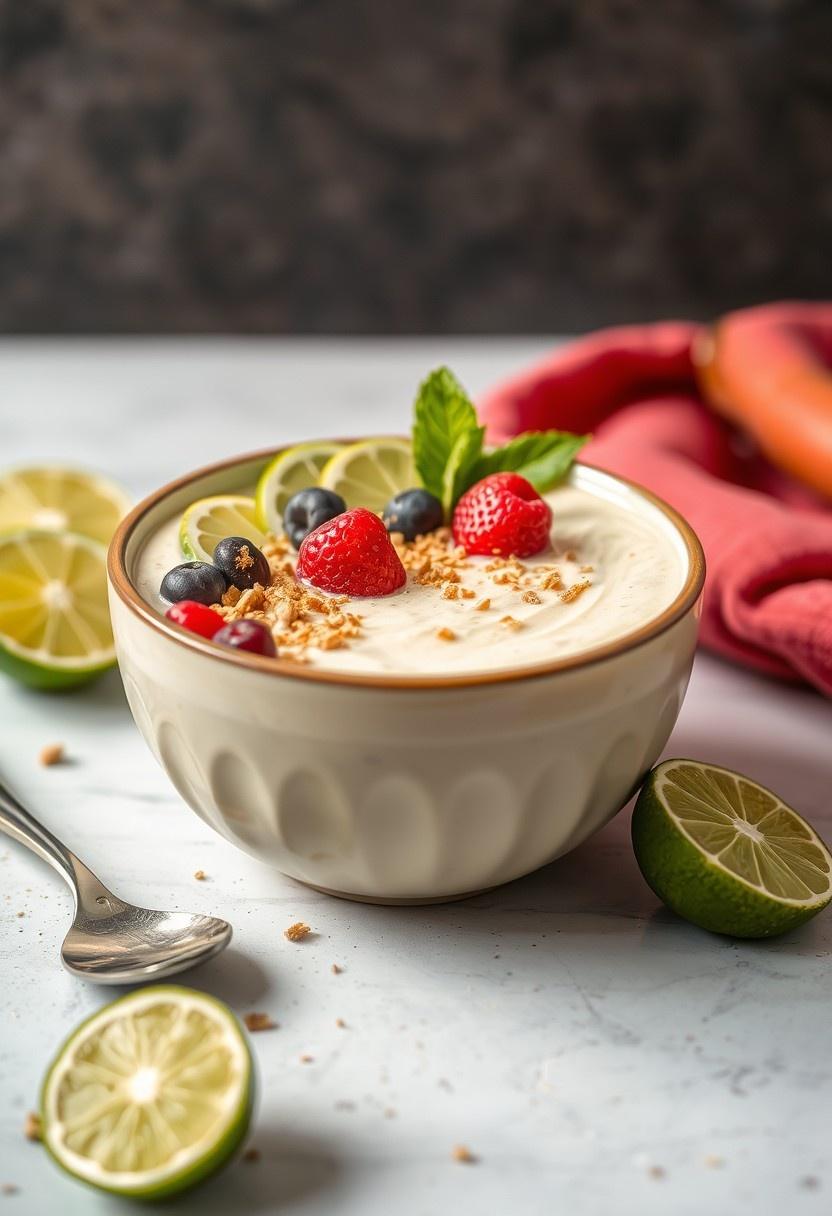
{"x": 502, "y": 515}
{"x": 351, "y": 555}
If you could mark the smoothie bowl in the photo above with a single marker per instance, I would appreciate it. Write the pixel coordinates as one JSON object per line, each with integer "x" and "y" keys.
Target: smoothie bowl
{"x": 482, "y": 716}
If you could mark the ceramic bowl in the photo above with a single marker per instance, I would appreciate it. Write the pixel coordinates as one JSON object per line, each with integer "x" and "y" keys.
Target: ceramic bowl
{"x": 408, "y": 789}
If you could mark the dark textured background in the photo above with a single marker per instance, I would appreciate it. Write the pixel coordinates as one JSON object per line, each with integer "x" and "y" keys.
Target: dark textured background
{"x": 409, "y": 165}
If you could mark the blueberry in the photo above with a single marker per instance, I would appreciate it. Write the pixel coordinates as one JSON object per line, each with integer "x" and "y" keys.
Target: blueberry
{"x": 199, "y": 581}
{"x": 413, "y": 513}
{"x": 252, "y": 636}
{"x": 308, "y": 509}
{"x": 242, "y": 563}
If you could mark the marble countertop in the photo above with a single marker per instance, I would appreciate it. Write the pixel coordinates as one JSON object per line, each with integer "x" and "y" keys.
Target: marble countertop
{"x": 592, "y": 1051}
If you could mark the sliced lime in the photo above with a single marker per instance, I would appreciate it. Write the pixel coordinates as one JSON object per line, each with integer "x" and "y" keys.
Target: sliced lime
{"x": 726, "y": 853}
{"x": 56, "y": 499}
{"x": 370, "y": 473}
{"x": 295, "y": 469}
{"x": 149, "y": 1095}
{"x": 54, "y": 620}
{"x": 207, "y": 521}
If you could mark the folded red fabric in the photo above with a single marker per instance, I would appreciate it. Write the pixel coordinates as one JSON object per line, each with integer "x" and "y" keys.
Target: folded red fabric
{"x": 767, "y": 540}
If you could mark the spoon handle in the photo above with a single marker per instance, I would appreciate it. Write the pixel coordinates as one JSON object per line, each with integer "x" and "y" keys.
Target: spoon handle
{"x": 18, "y": 823}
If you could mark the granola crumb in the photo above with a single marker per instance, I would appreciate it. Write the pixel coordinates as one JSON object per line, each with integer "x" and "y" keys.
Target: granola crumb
{"x": 307, "y": 1059}
{"x": 586, "y": 569}
{"x": 297, "y": 932}
{"x": 251, "y": 1155}
{"x": 451, "y": 592}
{"x": 52, "y": 754}
{"x": 511, "y": 622}
{"x": 572, "y": 593}
{"x": 258, "y": 1021}
{"x": 483, "y": 605}
{"x": 244, "y": 560}
{"x": 552, "y": 581}
{"x": 340, "y": 1023}
{"x": 200, "y": 875}
{"x": 446, "y": 635}
{"x": 570, "y": 555}
{"x": 32, "y": 1126}
{"x": 463, "y": 1154}
{"x": 467, "y": 593}
{"x": 335, "y": 969}
{"x": 531, "y": 597}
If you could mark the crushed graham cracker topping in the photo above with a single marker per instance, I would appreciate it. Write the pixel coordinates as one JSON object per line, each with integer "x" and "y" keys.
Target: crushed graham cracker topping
{"x": 302, "y": 619}
{"x": 244, "y": 560}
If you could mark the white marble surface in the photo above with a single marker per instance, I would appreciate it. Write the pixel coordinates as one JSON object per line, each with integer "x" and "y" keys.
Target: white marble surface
{"x": 595, "y": 1053}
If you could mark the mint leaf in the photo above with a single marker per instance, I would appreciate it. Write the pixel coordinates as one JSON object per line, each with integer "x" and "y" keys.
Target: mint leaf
{"x": 542, "y": 457}
{"x": 447, "y": 440}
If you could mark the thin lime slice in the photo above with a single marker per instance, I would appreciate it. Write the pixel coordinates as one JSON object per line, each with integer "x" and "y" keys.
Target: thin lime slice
{"x": 207, "y": 521}
{"x": 149, "y": 1095}
{"x": 54, "y": 621}
{"x": 726, "y": 853}
{"x": 370, "y": 473}
{"x": 57, "y": 499}
{"x": 295, "y": 469}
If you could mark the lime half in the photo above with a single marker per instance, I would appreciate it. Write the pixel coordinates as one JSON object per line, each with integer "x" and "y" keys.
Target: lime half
{"x": 206, "y": 522}
{"x": 54, "y": 620}
{"x": 368, "y": 474}
{"x": 57, "y": 499}
{"x": 726, "y": 853}
{"x": 149, "y": 1095}
{"x": 295, "y": 469}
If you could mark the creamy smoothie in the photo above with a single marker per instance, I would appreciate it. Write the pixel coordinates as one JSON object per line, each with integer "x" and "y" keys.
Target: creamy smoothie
{"x": 615, "y": 564}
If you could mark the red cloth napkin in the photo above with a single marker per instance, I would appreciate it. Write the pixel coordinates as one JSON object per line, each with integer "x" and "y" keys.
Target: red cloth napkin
{"x": 767, "y": 540}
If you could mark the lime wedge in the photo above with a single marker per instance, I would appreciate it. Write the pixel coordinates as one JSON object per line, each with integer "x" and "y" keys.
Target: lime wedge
{"x": 54, "y": 620}
{"x": 207, "y": 521}
{"x": 369, "y": 473}
{"x": 726, "y": 853}
{"x": 57, "y": 499}
{"x": 149, "y": 1095}
{"x": 295, "y": 469}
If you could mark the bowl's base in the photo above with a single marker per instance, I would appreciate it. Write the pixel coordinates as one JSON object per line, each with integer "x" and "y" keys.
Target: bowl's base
{"x": 390, "y": 901}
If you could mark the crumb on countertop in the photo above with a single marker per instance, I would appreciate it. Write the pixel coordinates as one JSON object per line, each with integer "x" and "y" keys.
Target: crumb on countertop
{"x": 52, "y": 754}
{"x": 297, "y": 932}
{"x": 251, "y": 1154}
{"x": 306, "y": 1058}
{"x": 9, "y": 1188}
{"x": 259, "y": 1021}
{"x": 32, "y": 1126}
{"x": 463, "y": 1154}
{"x": 340, "y": 1023}
{"x": 200, "y": 875}
{"x": 656, "y": 1171}
{"x": 335, "y": 969}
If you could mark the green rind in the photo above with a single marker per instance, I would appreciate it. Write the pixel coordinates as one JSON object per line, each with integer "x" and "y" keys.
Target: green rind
{"x": 214, "y": 1159}
{"x": 49, "y": 679}
{"x": 260, "y": 504}
{"x": 696, "y": 889}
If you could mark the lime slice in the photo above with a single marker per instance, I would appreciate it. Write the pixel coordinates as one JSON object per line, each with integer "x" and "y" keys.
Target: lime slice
{"x": 208, "y": 520}
{"x": 290, "y": 471}
{"x": 726, "y": 853}
{"x": 56, "y": 499}
{"x": 54, "y": 621}
{"x": 149, "y": 1095}
{"x": 369, "y": 473}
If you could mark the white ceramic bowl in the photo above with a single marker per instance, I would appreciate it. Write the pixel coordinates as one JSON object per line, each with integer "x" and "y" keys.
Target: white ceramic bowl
{"x": 400, "y": 789}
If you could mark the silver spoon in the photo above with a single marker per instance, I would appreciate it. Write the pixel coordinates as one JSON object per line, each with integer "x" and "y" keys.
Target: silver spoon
{"x": 109, "y": 941}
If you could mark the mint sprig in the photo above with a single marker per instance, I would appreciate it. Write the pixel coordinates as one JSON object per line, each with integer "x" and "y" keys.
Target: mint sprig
{"x": 448, "y": 445}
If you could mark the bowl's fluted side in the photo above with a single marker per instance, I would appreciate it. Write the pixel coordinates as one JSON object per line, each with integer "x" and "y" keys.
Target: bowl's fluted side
{"x": 403, "y": 794}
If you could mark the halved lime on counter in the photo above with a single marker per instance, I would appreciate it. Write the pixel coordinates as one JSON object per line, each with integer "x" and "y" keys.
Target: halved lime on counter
{"x": 207, "y": 521}
{"x": 56, "y": 499}
{"x": 726, "y": 853}
{"x": 368, "y": 474}
{"x": 151, "y": 1094}
{"x": 295, "y": 469}
{"x": 54, "y": 621}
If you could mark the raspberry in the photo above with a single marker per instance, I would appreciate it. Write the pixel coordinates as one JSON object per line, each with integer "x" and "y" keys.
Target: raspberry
{"x": 198, "y": 618}
{"x": 501, "y": 516}
{"x": 351, "y": 555}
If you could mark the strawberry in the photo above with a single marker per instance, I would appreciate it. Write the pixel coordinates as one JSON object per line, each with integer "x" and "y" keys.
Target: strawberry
{"x": 502, "y": 515}
{"x": 351, "y": 555}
